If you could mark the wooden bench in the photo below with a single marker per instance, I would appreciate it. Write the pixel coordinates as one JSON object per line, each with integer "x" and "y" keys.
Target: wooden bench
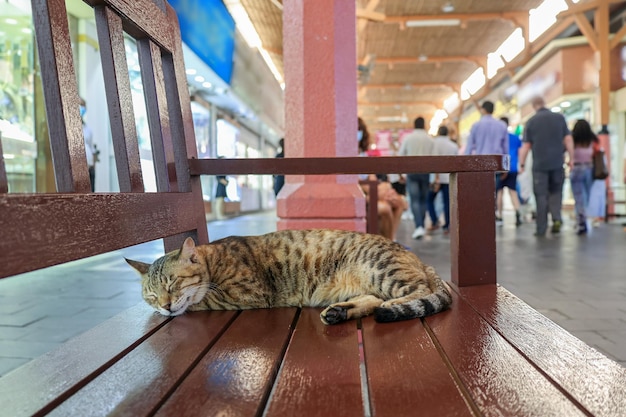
{"x": 490, "y": 354}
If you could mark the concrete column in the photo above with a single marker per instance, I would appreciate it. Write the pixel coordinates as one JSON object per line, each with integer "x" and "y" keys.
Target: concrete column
{"x": 319, "y": 53}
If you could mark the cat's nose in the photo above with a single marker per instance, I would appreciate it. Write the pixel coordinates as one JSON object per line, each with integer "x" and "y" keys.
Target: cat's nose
{"x": 166, "y": 306}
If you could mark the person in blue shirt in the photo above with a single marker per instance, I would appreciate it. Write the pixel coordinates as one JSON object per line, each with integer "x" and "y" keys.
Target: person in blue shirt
{"x": 509, "y": 179}
{"x": 488, "y": 136}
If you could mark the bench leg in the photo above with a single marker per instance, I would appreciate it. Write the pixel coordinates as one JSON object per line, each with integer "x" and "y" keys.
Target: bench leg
{"x": 472, "y": 229}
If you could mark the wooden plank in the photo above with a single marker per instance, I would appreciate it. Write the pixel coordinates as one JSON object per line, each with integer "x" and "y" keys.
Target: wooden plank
{"x": 143, "y": 18}
{"x": 119, "y": 99}
{"x": 137, "y": 384}
{"x": 61, "y": 96}
{"x": 40, "y": 385}
{"x": 405, "y": 372}
{"x": 65, "y": 227}
{"x": 4, "y": 184}
{"x": 235, "y": 376}
{"x": 500, "y": 381}
{"x": 472, "y": 228}
{"x": 157, "y": 112}
{"x": 320, "y": 374}
{"x": 595, "y": 381}
{"x": 350, "y": 165}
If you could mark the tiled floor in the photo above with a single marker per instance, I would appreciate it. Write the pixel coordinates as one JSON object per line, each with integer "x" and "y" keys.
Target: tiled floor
{"x": 579, "y": 282}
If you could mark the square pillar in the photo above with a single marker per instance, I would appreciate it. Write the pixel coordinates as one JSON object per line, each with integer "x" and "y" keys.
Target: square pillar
{"x": 319, "y": 55}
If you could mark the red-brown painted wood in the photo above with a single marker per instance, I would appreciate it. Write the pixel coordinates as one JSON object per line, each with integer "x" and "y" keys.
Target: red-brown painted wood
{"x": 472, "y": 228}
{"x": 4, "y": 184}
{"x": 406, "y": 373}
{"x": 43, "y": 383}
{"x": 349, "y": 165}
{"x": 154, "y": 92}
{"x": 40, "y": 230}
{"x": 119, "y": 99}
{"x": 61, "y": 96}
{"x": 235, "y": 376}
{"x": 137, "y": 384}
{"x": 595, "y": 381}
{"x": 144, "y": 18}
{"x": 320, "y": 373}
{"x": 501, "y": 382}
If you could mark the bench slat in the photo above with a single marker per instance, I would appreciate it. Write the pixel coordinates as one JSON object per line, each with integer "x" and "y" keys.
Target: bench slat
{"x": 61, "y": 96}
{"x": 320, "y": 373}
{"x": 43, "y": 383}
{"x": 418, "y": 379}
{"x": 237, "y": 373}
{"x": 498, "y": 378}
{"x": 574, "y": 366}
{"x": 137, "y": 384}
{"x": 118, "y": 92}
{"x": 349, "y": 165}
{"x": 60, "y": 224}
{"x": 4, "y": 184}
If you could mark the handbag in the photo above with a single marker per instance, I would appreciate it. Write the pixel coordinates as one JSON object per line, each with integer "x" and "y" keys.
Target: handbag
{"x": 600, "y": 171}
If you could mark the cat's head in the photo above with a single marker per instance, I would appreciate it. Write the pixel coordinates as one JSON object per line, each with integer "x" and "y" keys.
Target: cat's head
{"x": 173, "y": 282}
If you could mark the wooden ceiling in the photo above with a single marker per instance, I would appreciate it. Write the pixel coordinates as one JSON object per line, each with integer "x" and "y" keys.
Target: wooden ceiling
{"x": 409, "y": 71}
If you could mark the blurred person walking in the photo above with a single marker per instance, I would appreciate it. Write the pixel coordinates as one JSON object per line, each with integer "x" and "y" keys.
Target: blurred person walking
{"x": 546, "y": 133}
{"x": 581, "y": 175}
{"x": 443, "y": 146}
{"x": 509, "y": 179}
{"x": 418, "y": 143}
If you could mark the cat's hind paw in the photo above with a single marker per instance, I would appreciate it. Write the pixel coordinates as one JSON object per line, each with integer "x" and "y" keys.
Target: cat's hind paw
{"x": 334, "y": 314}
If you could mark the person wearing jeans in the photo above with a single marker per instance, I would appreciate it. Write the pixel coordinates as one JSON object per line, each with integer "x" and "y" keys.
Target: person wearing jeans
{"x": 417, "y": 143}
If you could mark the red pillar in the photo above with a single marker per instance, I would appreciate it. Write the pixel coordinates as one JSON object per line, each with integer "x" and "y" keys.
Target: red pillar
{"x": 319, "y": 53}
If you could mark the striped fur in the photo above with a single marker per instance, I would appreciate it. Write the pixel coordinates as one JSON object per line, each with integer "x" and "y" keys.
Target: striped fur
{"x": 350, "y": 274}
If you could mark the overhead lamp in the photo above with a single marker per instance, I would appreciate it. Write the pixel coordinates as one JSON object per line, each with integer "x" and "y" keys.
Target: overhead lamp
{"x": 448, "y": 7}
{"x": 423, "y": 58}
{"x": 432, "y": 23}
{"x": 566, "y": 104}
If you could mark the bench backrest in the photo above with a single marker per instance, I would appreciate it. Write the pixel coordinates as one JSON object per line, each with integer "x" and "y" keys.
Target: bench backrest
{"x": 41, "y": 230}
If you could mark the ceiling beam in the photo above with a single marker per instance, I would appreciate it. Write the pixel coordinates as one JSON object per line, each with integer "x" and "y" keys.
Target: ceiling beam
{"x": 408, "y": 86}
{"x": 427, "y": 59}
{"x": 463, "y": 17}
{"x": 584, "y": 7}
{"x": 399, "y": 104}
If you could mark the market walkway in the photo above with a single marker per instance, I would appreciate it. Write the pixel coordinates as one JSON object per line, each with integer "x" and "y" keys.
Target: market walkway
{"x": 579, "y": 282}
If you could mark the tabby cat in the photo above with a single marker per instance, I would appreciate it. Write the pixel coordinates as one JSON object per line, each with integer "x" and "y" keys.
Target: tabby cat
{"x": 351, "y": 274}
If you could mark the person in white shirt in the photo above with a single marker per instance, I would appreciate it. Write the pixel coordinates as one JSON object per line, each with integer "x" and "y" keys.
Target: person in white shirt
{"x": 417, "y": 143}
{"x": 443, "y": 145}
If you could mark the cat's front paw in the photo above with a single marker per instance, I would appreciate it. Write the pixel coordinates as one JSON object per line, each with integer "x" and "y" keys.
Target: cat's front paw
{"x": 334, "y": 315}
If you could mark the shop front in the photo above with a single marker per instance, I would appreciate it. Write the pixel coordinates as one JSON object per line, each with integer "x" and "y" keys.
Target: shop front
{"x": 17, "y": 96}
{"x": 566, "y": 75}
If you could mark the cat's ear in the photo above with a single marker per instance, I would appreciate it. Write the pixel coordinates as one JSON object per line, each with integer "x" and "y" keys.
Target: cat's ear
{"x": 140, "y": 267}
{"x": 188, "y": 250}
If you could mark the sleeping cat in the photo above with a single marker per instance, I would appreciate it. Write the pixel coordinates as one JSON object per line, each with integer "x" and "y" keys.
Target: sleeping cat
{"x": 351, "y": 274}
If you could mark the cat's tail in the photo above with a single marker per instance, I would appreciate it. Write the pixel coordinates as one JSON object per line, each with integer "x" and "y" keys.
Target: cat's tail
{"x": 409, "y": 308}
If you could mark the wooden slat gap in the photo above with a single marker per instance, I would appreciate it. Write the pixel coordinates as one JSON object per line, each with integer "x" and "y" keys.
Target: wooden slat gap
{"x": 93, "y": 375}
{"x": 365, "y": 386}
{"x": 193, "y": 365}
{"x": 267, "y": 398}
{"x": 532, "y": 363}
{"x": 465, "y": 393}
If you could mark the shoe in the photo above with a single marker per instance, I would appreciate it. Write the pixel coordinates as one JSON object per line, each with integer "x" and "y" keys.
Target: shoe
{"x": 499, "y": 221}
{"x": 518, "y": 219}
{"x": 418, "y": 233}
{"x": 582, "y": 229}
{"x": 433, "y": 227}
{"x": 537, "y": 234}
{"x": 446, "y": 231}
{"x": 556, "y": 227}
